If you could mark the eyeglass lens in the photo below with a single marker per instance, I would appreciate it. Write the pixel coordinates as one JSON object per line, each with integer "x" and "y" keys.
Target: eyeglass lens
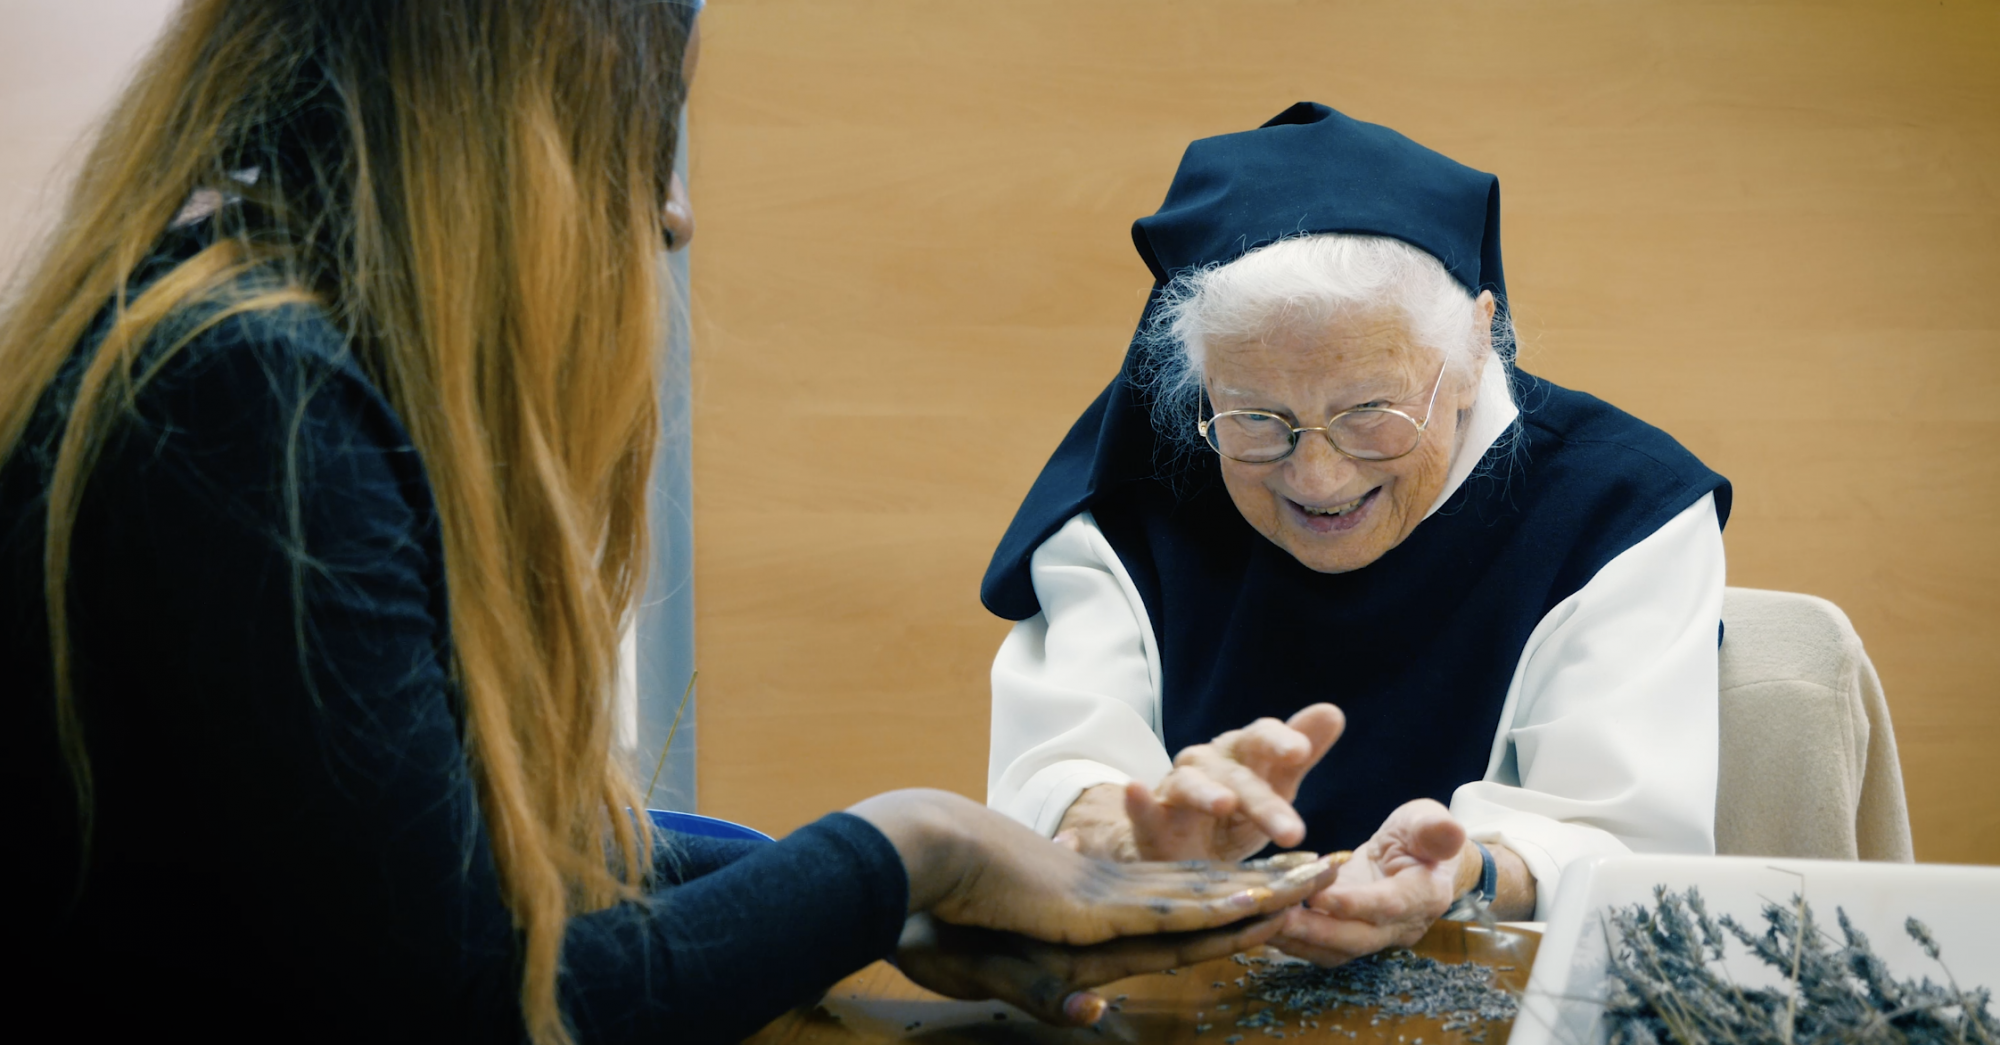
{"x": 1259, "y": 438}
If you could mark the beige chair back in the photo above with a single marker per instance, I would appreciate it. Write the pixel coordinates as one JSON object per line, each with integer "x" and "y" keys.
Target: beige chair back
{"x": 1809, "y": 765}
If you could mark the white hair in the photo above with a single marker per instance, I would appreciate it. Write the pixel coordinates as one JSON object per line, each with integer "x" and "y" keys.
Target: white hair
{"x": 1299, "y": 284}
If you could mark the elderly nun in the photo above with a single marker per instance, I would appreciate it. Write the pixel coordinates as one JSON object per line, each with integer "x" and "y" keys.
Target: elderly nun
{"x": 1319, "y": 502}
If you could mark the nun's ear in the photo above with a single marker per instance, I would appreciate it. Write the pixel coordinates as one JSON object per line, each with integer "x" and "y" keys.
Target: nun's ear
{"x": 1483, "y": 309}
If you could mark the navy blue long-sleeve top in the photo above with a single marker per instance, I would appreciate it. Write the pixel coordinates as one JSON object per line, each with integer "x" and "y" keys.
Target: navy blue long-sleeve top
{"x": 288, "y": 842}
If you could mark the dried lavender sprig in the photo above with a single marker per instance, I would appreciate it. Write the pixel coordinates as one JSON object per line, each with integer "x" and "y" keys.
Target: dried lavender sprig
{"x": 1666, "y": 984}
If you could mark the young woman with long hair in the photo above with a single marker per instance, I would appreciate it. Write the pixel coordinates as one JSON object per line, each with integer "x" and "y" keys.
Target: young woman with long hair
{"x": 327, "y": 414}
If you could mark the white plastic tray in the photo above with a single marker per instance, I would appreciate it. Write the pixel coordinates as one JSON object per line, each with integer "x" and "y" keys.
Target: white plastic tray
{"x": 1961, "y": 905}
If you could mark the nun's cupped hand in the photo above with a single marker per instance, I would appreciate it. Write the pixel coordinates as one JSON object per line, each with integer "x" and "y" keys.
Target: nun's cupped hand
{"x": 1223, "y": 800}
{"x": 971, "y": 866}
{"x": 1388, "y": 895}
{"x": 1049, "y": 981}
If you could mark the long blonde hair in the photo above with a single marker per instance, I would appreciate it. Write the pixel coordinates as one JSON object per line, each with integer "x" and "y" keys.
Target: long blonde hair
{"x": 470, "y": 190}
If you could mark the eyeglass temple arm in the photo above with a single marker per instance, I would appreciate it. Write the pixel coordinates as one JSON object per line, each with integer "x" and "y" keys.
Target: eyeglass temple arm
{"x": 1431, "y": 407}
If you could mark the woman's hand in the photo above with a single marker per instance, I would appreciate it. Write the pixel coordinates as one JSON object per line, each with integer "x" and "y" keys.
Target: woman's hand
{"x": 971, "y": 866}
{"x": 1050, "y": 981}
{"x": 1224, "y": 800}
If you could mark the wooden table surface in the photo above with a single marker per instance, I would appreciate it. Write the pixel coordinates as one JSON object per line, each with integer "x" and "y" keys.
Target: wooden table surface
{"x": 878, "y": 1005}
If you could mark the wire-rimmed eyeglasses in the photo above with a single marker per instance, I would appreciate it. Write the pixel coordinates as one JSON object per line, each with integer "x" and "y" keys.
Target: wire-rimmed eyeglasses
{"x": 1365, "y": 433}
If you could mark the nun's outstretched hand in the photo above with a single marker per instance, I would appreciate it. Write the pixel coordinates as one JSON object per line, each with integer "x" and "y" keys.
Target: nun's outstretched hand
{"x": 1388, "y": 895}
{"x": 1223, "y": 800}
{"x": 968, "y": 865}
{"x": 1396, "y": 885}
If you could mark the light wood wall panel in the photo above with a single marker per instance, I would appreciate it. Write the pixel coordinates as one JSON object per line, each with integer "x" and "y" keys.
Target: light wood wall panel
{"x": 1771, "y": 228}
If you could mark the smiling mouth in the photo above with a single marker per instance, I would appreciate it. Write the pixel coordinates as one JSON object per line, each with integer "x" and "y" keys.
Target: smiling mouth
{"x": 1335, "y": 518}
{"x": 1338, "y": 510}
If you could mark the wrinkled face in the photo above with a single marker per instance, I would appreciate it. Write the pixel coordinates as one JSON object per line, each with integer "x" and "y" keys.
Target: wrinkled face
{"x": 1331, "y": 512}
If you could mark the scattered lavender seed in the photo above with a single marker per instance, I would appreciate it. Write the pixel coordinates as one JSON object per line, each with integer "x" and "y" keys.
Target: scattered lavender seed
{"x": 1394, "y": 983}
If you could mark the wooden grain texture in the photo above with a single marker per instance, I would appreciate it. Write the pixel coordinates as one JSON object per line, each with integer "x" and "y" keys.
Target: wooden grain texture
{"x": 1771, "y": 228}
{"x": 1198, "y": 1005}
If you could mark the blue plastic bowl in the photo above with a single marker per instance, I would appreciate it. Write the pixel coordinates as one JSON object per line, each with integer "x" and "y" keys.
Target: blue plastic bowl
{"x": 705, "y": 826}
